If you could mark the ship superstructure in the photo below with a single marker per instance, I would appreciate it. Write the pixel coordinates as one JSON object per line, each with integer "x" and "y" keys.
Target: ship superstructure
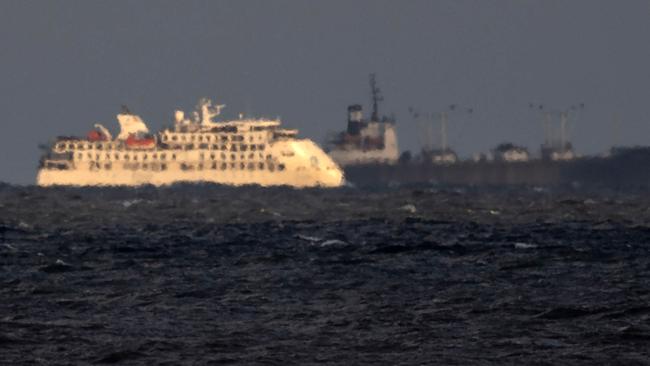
{"x": 372, "y": 141}
{"x": 556, "y": 146}
{"x": 235, "y": 152}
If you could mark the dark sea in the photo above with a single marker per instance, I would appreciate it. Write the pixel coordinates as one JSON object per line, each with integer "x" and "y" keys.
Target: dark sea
{"x": 209, "y": 275}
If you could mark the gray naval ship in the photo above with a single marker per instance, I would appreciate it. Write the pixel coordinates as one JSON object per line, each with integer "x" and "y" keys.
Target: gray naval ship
{"x": 368, "y": 153}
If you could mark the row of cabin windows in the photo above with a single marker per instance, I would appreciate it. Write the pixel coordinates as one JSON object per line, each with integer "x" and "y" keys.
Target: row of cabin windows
{"x": 233, "y": 166}
{"x": 232, "y": 147}
{"x": 163, "y": 156}
{"x": 95, "y": 146}
{"x": 186, "y": 167}
{"x": 130, "y": 166}
{"x": 223, "y": 156}
{"x": 100, "y": 146}
{"x": 208, "y": 138}
{"x": 117, "y": 156}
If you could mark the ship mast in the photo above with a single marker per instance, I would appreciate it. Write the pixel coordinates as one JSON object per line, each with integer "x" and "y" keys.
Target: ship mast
{"x": 444, "y": 118}
{"x": 376, "y": 97}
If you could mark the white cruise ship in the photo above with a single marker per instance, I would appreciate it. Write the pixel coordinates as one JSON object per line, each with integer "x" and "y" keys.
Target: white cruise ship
{"x": 200, "y": 149}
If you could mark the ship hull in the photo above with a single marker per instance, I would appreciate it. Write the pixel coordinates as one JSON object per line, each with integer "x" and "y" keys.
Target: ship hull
{"x": 610, "y": 172}
{"x": 122, "y": 177}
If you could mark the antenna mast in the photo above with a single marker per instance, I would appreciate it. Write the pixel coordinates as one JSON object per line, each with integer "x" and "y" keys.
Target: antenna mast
{"x": 376, "y": 97}
{"x": 443, "y": 130}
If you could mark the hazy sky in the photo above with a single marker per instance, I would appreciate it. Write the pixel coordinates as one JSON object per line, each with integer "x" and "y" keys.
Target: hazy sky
{"x": 66, "y": 65}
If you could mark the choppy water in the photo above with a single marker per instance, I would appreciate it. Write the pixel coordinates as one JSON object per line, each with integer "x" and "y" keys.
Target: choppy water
{"x": 213, "y": 275}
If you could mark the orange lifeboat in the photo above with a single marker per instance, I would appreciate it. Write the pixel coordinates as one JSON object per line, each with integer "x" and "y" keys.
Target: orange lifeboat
{"x": 145, "y": 142}
{"x": 96, "y": 136}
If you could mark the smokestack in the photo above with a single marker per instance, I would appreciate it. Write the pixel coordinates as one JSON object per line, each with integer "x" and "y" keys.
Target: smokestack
{"x": 355, "y": 113}
{"x": 355, "y": 117}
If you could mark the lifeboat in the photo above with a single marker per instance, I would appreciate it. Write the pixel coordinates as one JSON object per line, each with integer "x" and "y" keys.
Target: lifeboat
{"x": 96, "y": 136}
{"x": 140, "y": 142}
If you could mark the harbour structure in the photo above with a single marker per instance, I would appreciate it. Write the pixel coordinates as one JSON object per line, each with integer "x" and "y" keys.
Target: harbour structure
{"x": 231, "y": 152}
{"x": 366, "y": 141}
